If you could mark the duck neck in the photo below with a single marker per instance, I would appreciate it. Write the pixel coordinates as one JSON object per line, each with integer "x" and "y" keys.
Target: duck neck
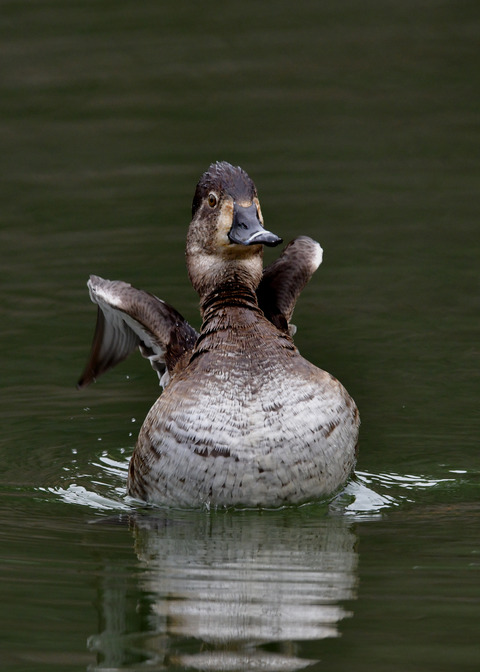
{"x": 230, "y": 294}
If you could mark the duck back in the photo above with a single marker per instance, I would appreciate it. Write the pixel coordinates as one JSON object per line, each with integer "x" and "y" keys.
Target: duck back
{"x": 248, "y": 422}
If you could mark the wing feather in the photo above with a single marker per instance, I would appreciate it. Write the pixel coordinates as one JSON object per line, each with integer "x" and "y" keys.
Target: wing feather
{"x": 284, "y": 279}
{"x": 129, "y": 318}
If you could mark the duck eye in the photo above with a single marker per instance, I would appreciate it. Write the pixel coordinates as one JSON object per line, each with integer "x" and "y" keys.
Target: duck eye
{"x": 212, "y": 200}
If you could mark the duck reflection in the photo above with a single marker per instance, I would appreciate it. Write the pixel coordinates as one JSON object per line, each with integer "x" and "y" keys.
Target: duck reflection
{"x": 238, "y": 591}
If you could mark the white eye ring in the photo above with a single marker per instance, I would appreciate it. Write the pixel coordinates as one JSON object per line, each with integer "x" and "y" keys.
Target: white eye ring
{"x": 212, "y": 199}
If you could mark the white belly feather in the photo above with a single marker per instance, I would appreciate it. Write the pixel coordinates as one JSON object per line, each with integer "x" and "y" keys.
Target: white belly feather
{"x": 236, "y": 440}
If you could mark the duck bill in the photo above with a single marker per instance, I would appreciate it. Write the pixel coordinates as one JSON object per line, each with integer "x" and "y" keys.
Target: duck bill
{"x": 247, "y": 229}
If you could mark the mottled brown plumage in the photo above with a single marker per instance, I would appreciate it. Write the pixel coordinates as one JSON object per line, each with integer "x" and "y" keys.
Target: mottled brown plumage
{"x": 243, "y": 418}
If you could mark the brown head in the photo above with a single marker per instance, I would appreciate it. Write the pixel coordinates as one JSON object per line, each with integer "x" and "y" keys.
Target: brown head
{"x": 226, "y": 236}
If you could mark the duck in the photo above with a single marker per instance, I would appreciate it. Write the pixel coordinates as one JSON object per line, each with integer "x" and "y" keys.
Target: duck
{"x": 243, "y": 419}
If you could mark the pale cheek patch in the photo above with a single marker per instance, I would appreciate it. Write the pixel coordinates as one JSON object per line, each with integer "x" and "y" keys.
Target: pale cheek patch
{"x": 259, "y": 210}
{"x": 224, "y": 224}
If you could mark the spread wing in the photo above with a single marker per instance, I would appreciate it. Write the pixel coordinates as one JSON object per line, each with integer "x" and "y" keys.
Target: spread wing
{"x": 128, "y": 318}
{"x": 284, "y": 279}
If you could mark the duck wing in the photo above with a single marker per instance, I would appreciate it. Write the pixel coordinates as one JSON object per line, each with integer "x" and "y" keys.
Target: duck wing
{"x": 284, "y": 279}
{"x": 128, "y": 318}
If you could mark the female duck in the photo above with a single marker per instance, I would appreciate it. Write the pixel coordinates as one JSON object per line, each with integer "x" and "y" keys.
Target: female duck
{"x": 243, "y": 419}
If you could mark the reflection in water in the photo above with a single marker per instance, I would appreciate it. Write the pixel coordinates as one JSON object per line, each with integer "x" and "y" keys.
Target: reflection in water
{"x": 225, "y": 591}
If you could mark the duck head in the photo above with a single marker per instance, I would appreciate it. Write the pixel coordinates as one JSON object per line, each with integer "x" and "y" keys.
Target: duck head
{"x": 226, "y": 236}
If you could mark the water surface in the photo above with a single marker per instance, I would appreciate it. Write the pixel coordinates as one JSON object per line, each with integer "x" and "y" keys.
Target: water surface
{"x": 359, "y": 124}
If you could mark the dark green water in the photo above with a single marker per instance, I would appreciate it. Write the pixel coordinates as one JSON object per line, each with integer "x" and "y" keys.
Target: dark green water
{"x": 360, "y": 124}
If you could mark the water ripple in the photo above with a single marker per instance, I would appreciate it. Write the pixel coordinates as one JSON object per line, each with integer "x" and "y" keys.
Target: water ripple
{"x": 370, "y": 495}
{"x": 366, "y": 496}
